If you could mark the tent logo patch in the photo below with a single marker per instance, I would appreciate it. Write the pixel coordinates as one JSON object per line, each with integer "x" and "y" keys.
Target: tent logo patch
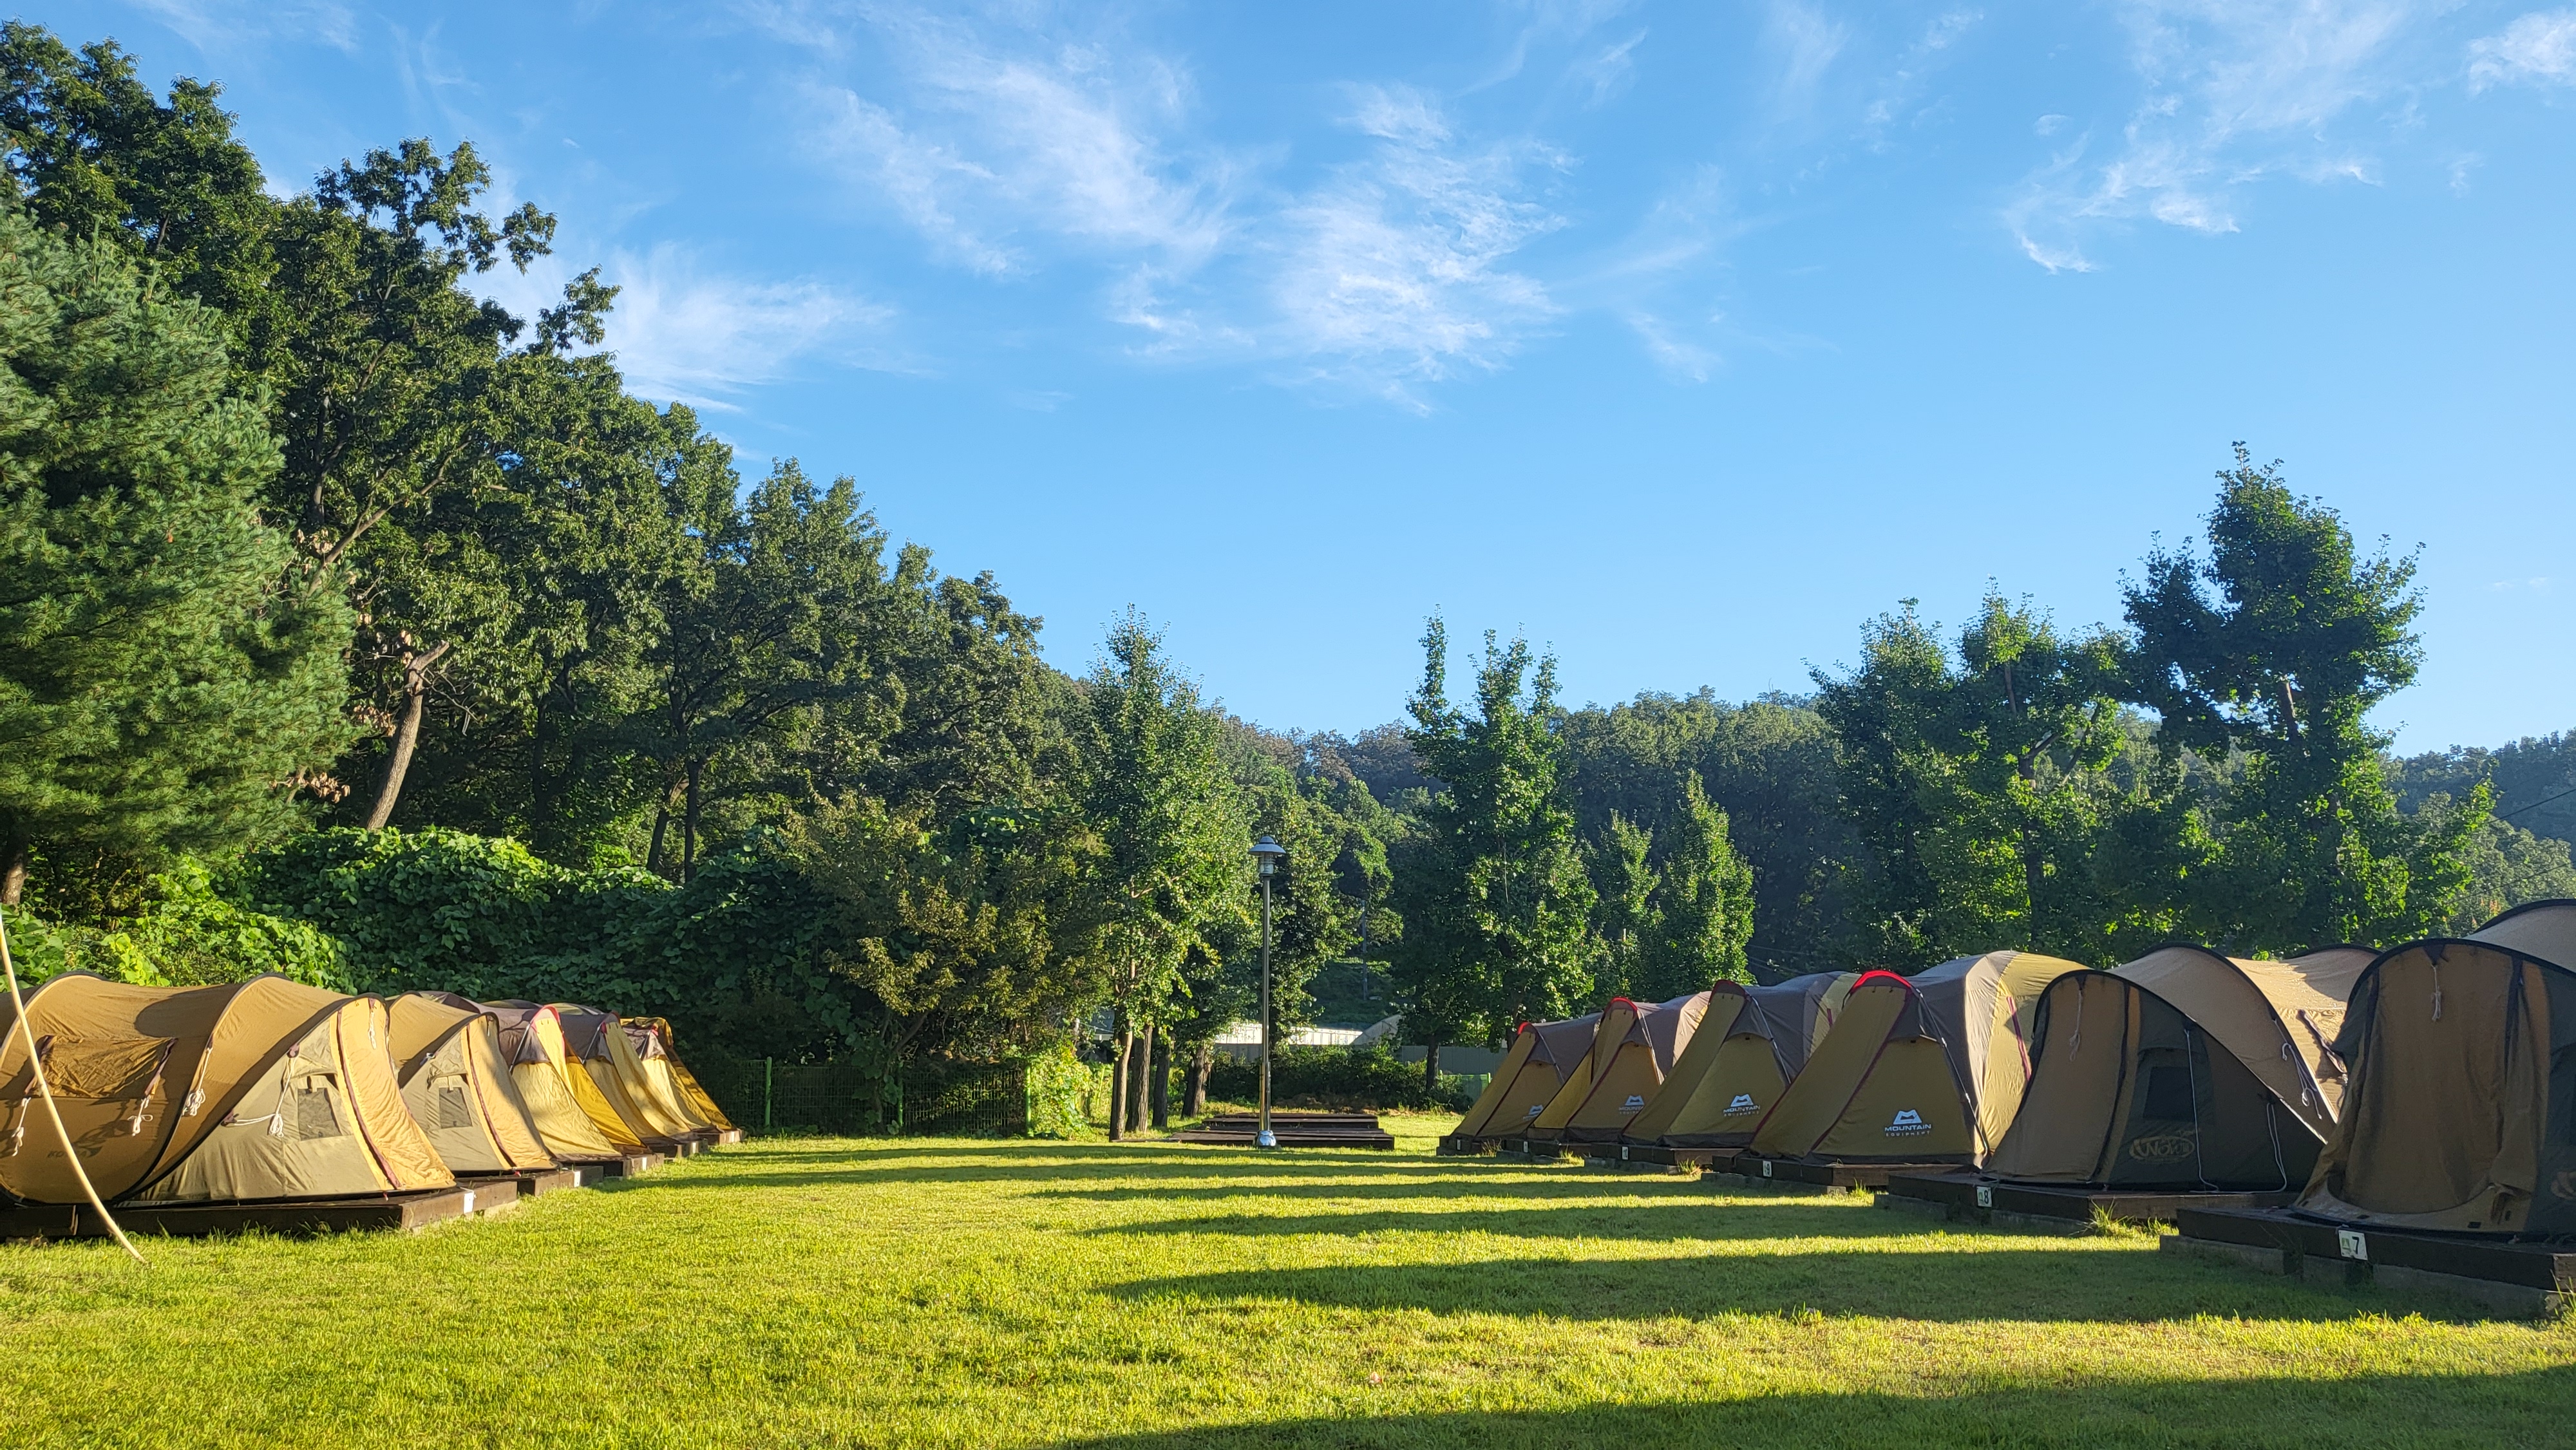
{"x": 1743, "y": 1103}
{"x": 1535, "y": 1110}
{"x": 1635, "y": 1102}
{"x": 1907, "y": 1123}
{"x": 2163, "y": 1148}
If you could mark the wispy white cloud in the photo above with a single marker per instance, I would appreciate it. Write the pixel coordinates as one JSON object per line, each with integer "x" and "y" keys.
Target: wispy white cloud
{"x": 1393, "y": 272}
{"x": 2233, "y": 91}
{"x": 2539, "y": 48}
{"x": 232, "y": 26}
{"x": 1004, "y": 134}
{"x": 682, "y": 332}
{"x": 1805, "y": 42}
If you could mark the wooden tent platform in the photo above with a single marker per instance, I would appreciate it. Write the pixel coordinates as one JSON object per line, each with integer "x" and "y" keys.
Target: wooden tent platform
{"x": 631, "y": 1165}
{"x": 1293, "y": 1130}
{"x": 727, "y": 1136}
{"x": 2525, "y": 1280}
{"x": 1677, "y": 1157}
{"x": 531, "y": 1182}
{"x": 1962, "y": 1196}
{"x": 401, "y": 1212}
{"x": 1455, "y": 1146}
{"x": 1528, "y": 1150}
{"x": 1790, "y": 1172}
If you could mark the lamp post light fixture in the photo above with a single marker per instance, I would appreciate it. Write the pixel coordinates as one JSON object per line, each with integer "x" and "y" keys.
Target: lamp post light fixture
{"x": 1266, "y": 856}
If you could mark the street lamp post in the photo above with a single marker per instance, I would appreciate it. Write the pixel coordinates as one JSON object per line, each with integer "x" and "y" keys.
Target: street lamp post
{"x": 1266, "y": 856}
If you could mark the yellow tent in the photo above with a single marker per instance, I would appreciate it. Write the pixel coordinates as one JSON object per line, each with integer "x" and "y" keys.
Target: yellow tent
{"x": 2460, "y": 1110}
{"x": 1542, "y": 1056}
{"x": 684, "y": 1081}
{"x": 455, "y": 1081}
{"x": 597, "y": 1043}
{"x": 1926, "y": 1070}
{"x": 1748, "y": 1049}
{"x": 577, "y": 1123}
{"x": 660, "y": 1085}
{"x": 1633, "y": 1050}
{"x": 265, "y": 1089}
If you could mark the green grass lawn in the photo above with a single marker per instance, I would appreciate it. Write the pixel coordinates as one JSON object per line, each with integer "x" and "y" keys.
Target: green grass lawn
{"x": 827, "y": 1292}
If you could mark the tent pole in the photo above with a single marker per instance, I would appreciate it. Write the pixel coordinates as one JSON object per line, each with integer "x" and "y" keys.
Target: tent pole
{"x": 45, "y": 1089}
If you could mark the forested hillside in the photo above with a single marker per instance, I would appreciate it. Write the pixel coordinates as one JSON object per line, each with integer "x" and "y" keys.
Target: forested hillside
{"x": 361, "y": 629}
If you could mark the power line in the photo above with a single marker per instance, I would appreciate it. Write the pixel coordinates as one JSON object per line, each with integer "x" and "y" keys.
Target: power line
{"x": 2535, "y": 805}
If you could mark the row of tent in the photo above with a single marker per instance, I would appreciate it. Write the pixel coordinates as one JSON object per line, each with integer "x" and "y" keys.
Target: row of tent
{"x": 272, "y": 1090}
{"x": 2429, "y": 1086}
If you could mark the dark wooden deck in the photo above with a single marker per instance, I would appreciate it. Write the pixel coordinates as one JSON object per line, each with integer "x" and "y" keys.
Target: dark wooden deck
{"x": 1292, "y": 1130}
{"x": 1974, "y": 1198}
{"x": 2531, "y": 1278}
{"x": 401, "y": 1212}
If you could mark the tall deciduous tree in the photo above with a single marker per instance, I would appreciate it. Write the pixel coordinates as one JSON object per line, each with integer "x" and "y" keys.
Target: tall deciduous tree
{"x": 2275, "y": 644}
{"x": 1703, "y": 903}
{"x": 1496, "y": 904}
{"x": 1175, "y": 840}
{"x": 159, "y": 688}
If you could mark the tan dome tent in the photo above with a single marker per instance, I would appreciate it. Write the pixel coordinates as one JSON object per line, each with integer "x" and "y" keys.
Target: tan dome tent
{"x": 1922, "y": 1070}
{"x": 2460, "y": 1110}
{"x": 660, "y": 1085}
{"x": 597, "y": 1043}
{"x": 1635, "y": 1047}
{"x": 577, "y": 1123}
{"x": 1543, "y": 1056}
{"x": 2127, "y": 1090}
{"x": 265, "y": 1089}
{"x": 682, "y": 1080}
{"x": 455, "y": 1081}
{"x": 1748, "y": 1049}
{"x": 2279, "y": 1018}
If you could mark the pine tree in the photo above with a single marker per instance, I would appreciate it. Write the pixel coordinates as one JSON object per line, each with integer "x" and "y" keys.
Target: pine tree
{"x": 159, "y": 688}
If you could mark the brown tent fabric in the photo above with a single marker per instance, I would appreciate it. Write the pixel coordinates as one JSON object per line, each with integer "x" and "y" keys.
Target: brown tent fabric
{"x": 1542, "y": 1056}
{"x": 1629, "y": 1066}
{"x": 457, "y": 1085}
{"x": 2280, "y": 1018}
{"x": 1922, "y": 1070}
{"x": 2543, "y": 929}
{"x": 598, "y": 1045}
{"x": 2126, "y": 1091}
{"x": 265, "y": 1089}
{"x": 1748, "y": 1048}
{"x": 686, "y": 1081}
{"x": 2460, "y": 1113}
{"x": 578, "y": 1124}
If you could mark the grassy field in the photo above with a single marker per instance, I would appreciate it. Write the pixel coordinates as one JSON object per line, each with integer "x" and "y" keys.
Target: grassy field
{"x": 822, "y": 1292}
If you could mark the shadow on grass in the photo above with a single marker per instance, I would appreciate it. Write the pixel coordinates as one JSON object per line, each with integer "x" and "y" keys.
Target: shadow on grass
{"x": 2529, "y": 1408}
{"x": 1155, "y": 1165}
{"x": 1663, "y": 1220}
{"x": 2031, "y": 1285}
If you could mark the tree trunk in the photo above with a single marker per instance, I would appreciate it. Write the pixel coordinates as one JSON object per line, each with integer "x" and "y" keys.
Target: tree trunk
{"x": 1195, "y": 1087}
{"x": 1158, "y": 1094}
{"x": 13, "y": 872}
{"x": 1118, "y": 1083}
{"x": 661, "y": 822}
{"x": 1431, "y": 1067}
{"x": 1143, "y": 1065}
{"x": 416, "y": 669}
{"x": 689, "y": 830}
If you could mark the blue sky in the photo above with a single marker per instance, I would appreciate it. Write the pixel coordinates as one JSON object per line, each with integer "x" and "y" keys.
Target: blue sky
{"x": 1683, "y": 338}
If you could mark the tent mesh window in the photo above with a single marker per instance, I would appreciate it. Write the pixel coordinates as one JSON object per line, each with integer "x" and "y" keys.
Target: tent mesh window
{"x": 453, "y": 1112}
{"x": 2167, "y": 1096}
{"x": 309, "y": 1114}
